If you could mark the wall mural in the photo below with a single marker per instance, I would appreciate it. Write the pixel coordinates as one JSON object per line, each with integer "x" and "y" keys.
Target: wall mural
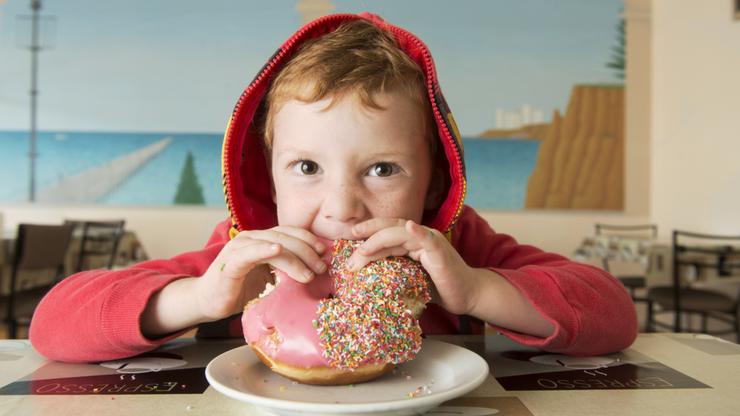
{"x": 133, "y": 96}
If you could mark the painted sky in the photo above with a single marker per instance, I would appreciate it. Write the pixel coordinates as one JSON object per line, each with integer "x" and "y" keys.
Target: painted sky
{"x": 179, "y": 65}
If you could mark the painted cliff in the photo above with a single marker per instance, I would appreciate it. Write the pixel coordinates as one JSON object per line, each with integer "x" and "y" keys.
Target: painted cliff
{"x": 581, "y": 158}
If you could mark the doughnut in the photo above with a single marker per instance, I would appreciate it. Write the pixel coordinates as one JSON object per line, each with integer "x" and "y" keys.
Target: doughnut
{"x": 342, "y": 327}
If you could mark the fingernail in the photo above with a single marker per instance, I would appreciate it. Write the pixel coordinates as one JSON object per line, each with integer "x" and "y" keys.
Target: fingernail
{"x": 320, "y": 267}
{"x": 319, "y": 247}
{"x": 307, "y": 275}
{"x": 351, "y": 265}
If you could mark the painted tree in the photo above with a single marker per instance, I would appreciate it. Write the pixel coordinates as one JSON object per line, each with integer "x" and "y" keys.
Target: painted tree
{"x": 617, "y": 62}
{"x": 189, "y": 190}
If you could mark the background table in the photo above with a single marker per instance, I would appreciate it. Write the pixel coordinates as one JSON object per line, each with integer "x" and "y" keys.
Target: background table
{"x": 712, "y": 363}
{"x": 129, "y": 251}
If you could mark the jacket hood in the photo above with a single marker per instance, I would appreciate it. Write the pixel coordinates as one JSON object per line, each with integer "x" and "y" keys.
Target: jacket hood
{"x": 246, "y": 178}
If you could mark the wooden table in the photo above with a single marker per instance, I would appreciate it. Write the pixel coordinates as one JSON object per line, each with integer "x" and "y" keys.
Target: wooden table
{"x": 661, "y": 374}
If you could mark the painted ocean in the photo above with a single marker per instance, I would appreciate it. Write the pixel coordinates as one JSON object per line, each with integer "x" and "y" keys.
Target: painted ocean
{"x": 125, "y": 174}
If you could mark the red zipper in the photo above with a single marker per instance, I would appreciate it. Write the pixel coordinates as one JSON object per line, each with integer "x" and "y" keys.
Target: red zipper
{"x": 440, "y": 121}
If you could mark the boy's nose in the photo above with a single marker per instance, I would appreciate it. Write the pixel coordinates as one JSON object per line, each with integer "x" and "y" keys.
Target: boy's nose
{"x": 343, "y": 204}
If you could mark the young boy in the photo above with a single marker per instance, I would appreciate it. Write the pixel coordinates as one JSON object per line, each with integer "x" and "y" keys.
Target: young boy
{"x": 343, "y": 134}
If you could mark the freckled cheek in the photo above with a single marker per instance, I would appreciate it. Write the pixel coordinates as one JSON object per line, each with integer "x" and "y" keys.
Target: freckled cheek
{"x": 397, "y": 203}
{"x": 384, "y": 207}
{"x": 297, "y": 205}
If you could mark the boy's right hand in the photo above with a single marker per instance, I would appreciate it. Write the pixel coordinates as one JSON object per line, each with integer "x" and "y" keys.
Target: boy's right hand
{"x": 222, "y": 290}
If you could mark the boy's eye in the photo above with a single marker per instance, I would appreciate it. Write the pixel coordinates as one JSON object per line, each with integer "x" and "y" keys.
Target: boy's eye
{"x": 383, "y": 169}
{"x": 306, "y": 167}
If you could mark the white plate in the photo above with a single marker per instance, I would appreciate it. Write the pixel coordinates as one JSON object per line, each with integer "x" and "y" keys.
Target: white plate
{"x": 439, "y": 373}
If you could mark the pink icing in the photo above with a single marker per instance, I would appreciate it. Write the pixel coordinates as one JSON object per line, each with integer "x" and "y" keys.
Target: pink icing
{"x": 296, "y": 324}
{"x": 291, "y": 307}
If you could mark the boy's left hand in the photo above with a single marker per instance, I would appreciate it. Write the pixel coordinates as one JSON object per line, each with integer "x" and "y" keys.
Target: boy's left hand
{"x": 453, "y": 278}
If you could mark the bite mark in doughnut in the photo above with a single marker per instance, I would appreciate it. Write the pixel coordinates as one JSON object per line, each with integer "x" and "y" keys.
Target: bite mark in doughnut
{"x": 342, "y": 327}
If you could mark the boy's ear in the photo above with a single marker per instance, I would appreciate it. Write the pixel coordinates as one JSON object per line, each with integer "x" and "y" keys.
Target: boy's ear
{"x": 436, "y": 190}
{"x": 268, "y": 163}
{"x": 272, "y": 191}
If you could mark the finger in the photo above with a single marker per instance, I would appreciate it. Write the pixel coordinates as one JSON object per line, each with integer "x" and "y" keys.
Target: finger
{"x": 388, "y": 241}
{"x": 387, "y": 238}
{"x": 367, "y": 228}
{"x": 308, "y": 237}
{"x": 297, "y": 246}
{"x": 238, "y": 264}
{"x": 358, "y": 261}
{"x": 293, "y": 266}
{"x": 426, "y": 237}
{"x": 431, "y": 245}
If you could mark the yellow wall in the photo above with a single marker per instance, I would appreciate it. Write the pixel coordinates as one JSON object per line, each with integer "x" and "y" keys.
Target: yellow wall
{"x": 696, "y": 116}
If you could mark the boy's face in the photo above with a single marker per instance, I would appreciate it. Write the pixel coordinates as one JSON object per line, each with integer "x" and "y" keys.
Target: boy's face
{"x": 335, "y": 168}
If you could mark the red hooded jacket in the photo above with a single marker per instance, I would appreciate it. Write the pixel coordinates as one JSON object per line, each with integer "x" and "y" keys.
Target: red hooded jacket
{"x": 94, "y": 315}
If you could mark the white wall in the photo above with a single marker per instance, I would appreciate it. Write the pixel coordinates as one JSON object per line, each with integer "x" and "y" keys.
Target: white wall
{"x": 163, "y": 231}
{"x": 168, "y": 231}
{"x": 560, "y": 232}
{"x": 696, "y": 116}
{"x": 638, "y": 101}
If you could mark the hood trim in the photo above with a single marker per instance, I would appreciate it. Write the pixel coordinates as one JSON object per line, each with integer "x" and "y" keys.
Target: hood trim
{"x": 248, "y": 212}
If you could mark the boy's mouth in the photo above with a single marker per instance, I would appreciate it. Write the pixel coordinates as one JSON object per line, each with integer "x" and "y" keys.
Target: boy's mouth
{"x": 344, "y": 234}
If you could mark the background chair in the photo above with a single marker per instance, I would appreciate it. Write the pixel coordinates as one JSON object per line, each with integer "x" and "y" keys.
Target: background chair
{"x": 37, "y": 247}
{"x": 99, "y": 239}
{"x": 646, "y": 232}
{"x": 698, "y": 252}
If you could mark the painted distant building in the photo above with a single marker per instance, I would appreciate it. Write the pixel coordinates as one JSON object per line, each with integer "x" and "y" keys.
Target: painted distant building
{"x": 514, "y": 119}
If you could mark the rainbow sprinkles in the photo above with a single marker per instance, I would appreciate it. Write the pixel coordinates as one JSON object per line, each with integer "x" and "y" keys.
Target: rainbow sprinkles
{"x": 372, "y": 318}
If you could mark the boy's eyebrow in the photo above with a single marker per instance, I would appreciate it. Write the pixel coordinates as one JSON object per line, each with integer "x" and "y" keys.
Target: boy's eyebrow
{"x": 391, "y": 154}
{"x": 380, "y": 155}
{"x": 294, "y": 151}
